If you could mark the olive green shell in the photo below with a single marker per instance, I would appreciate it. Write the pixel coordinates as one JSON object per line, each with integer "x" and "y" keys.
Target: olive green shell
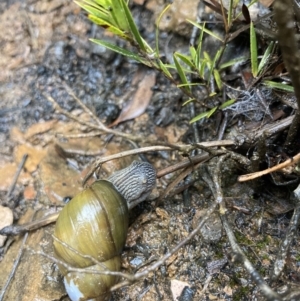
{"x": 94, "y": 223}
{"x": 93, "y": 286}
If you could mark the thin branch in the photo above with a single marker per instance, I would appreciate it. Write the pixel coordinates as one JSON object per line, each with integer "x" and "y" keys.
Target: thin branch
{"x": 277, "y": 167}
{"x": 239, "y": 256}
{"x": 184, "y": 148}
{"x": 178, "y": 179}
{"x": 34, "y": 225}
{"x": 89, "y": 124}
{"x": 85, "y": 108}
{"x": 284, "y": 247}
{"x": 80, "y": 270}
{"x": 238, "y": 253}
{"x": 14, "y": 268}
{"x": 16, "y": 176}
{"x": 270, "y": 129}
{"x": 183, "y": 164}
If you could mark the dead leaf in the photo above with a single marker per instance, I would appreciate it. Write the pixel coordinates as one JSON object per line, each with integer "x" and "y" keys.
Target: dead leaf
{"x": 246, "y": 13}
{"x": 279, "y": 69}
{"x": 140, "y": 100}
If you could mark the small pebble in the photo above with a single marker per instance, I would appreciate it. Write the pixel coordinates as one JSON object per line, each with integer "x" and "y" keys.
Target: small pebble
{"x": 6, "y": 219}
{"x": 177, "y": 287}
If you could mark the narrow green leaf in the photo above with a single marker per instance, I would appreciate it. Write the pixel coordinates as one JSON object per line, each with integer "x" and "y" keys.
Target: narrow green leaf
{"x": 186, "y": 59}
{"x": 279, "y": 86}
{"x": 193, "y": 84}
{"x": 164, "y": 69}
{"x": 110, "y": 15}
{"x": 202, "y": 68}
{"x": 110, "y": 27}
{"x": 121, "y": 51}
{"x": 199, "y": 117}
{"x": 230, "y": 11}
{"x": 206, "y": 30}
{"x": 188, "y": 71}
{"x": 203, "y": 115}
{"x": 233, "y": 62}
{"x": 96, "y": 11}
{"x": 217, "y": 56}
{"x": 117, "y": 11}
{"x": 133, "y": 28}
{"x": 157, "y": 28}
{"x": 93, "y": 3}
{"x": 193, "y": 53}
{"x": 265, "y": 57}
{"x": 211, "y": 64}
{"x": 218, "y": 79}
{"x": 207, "y": 57}
{"x": 211, "y": 112}
{"x": 188, "y": 101}
{"x": 227, "y": 104}
{"x": 253, "y": 50}
{"x": 181, "y": 72}
{"x": 199, "y": 49}
{"x": 105, "y": 3}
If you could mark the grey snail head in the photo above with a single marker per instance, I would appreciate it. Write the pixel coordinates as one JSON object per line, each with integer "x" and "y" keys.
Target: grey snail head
{"x": 134, "y": 182}
{"x": 95, "y": 223}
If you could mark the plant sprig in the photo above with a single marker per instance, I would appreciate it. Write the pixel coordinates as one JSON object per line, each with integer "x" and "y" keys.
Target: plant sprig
{"x": 115, "y": 16}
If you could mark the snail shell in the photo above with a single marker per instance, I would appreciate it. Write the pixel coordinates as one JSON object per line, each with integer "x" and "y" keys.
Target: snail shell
{"x": 95, "y": 223}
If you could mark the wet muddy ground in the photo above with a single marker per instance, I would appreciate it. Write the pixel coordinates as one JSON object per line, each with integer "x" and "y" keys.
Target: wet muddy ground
{"x": 45, "y": 51}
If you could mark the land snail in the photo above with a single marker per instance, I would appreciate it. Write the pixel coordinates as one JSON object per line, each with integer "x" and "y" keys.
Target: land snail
{"x": 95, "y": 223}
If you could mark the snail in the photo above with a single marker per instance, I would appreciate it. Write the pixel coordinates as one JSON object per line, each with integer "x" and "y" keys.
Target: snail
{"x": 95, "y": 223}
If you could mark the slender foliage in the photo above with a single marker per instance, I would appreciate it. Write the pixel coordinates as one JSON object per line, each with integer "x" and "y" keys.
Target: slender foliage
{"x": 115, "y": 16}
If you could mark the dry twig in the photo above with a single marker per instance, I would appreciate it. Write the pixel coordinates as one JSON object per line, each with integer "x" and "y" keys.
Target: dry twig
{"x": 280, "y": 260}
{"x": 277, "y": 167}
{"x": 238, "y": 254}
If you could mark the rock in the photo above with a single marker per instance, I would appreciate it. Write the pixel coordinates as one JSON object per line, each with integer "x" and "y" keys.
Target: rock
{"x": 6, "y": 219}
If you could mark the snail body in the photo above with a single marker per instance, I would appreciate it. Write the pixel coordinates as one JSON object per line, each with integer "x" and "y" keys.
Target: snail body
{"x": 95, "y": 223}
